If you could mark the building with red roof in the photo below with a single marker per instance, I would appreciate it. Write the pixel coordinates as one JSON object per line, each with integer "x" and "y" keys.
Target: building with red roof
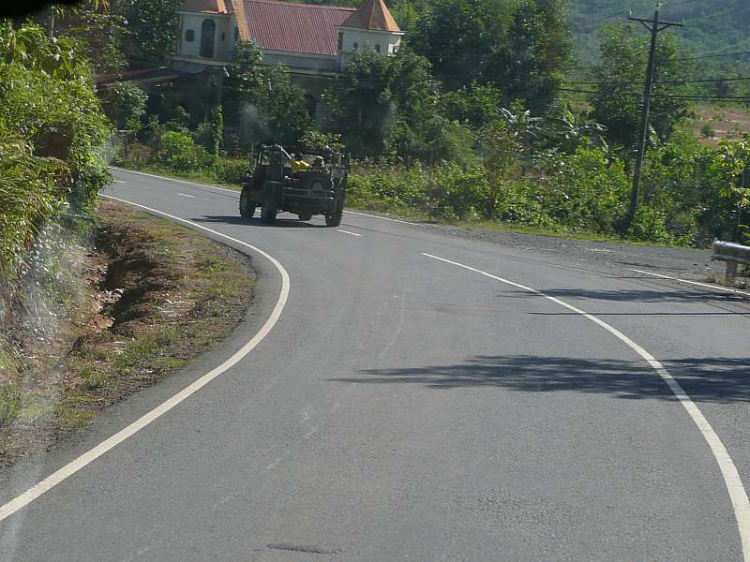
{"x": 311, "y": 39}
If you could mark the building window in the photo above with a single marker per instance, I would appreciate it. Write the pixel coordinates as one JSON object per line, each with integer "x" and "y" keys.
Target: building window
{"x": 341, "y": 41}
{"x": 190, "y": 35}
{"x": 377, "y": 47}
{"x": 236, "y": 33}
{"x": 208, "y": 31}
{"x": 356, "y": 46}
{"x": 223, "y": 36}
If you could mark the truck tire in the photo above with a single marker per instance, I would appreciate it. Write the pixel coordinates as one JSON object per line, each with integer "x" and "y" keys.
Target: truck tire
{"x": 304, "y": 216}
{"x": 334, "y": 218}
{"x": 268, "y": 210}
{"x": 247, "y": 209}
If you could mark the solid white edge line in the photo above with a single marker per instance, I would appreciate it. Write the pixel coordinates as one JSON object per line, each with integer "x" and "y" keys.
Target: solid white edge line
{"x": 347, "y": 232}
{"x": 732, "y": 480}
{"x": 196, "y": 184}
{"x": 74, "y": 466}
{"x": 707, "y": 285}
{"x": 382, "y": 218}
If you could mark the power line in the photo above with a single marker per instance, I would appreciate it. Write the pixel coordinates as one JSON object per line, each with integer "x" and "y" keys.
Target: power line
{"x": 716, "y": 55}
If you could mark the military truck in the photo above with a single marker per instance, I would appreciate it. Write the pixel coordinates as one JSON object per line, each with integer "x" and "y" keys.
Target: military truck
{"x": 303, "y": 182}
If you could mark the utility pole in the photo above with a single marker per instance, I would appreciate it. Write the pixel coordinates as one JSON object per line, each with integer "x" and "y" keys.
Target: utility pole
{"x": 655, "y": 26}
{"x": 743, "y": 185}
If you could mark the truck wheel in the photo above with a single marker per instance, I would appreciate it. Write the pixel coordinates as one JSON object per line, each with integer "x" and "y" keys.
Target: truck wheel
{"x": 268, "y": 211}
{"x": 334, "y": 218}
{"x": 304, "y": 216}
{"x": 247, "y": 209}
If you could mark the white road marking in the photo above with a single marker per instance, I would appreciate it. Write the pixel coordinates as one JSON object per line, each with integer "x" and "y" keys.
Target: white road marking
{"x": 196, "y": 184}
{"x": 74, "y": 466}
{"x": 347, "y": 232}
{"x": 716, "y": 287}
{"x": 119, "y": 181}
{"x": 732, "y": 480}
{"x": 236, "y": 192}
{"x": 382, "y": 218}
{"x": 186, "y": 195}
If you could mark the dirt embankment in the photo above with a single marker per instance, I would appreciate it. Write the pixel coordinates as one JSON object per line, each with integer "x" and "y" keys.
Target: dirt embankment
{"x": 153, "y": 296}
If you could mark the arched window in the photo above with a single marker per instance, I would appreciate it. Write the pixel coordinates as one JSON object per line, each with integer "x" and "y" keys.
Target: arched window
{"x": 208, "y": 30}
{"x": 377, "y": 47}
{"x": 356, "y": 46}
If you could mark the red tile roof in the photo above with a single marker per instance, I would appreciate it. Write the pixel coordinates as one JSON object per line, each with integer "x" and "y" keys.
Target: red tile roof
{"x": 374, "y": 15}
{"x": 298, "y": 28}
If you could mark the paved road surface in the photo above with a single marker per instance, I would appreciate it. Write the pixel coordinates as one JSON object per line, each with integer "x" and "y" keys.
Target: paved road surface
{"x": 404, "y": 408}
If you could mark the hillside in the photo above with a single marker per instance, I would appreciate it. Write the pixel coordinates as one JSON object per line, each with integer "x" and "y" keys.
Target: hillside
{"x": 710, "y": 26}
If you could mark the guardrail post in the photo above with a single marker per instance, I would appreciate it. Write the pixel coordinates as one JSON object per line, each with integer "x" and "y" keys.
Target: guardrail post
{"x": 731, "y": 272}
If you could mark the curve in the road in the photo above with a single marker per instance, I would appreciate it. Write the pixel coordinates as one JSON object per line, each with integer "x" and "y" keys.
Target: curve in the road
{"x": 732, "y": 480}
{"x": 729, "y": 472}
{"x": 74, "y": 466}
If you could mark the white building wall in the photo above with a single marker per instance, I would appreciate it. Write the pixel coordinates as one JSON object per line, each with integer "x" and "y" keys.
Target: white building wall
{"x": 224, "y": 37}
{"x": 300, "y": 61}
{"x": 360, "y": 39}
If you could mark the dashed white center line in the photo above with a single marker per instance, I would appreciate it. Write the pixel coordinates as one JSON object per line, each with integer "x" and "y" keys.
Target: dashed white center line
{"x": 186, "y": 195}
{"x": 347, "y": 232}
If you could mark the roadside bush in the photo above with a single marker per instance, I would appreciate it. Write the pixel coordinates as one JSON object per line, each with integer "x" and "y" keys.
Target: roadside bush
{"x": 52, "y": 137}
{"x": 648, "y": 225}
{"x": 178, "y": 151}
{"x": 588, "y": 190}
{"x": 231, "y": 171}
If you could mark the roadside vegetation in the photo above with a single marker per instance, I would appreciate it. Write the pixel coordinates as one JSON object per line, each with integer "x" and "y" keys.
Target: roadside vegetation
{"x": 155, "y": 296}
{"x": 483, "y": 131}
{"x": 96, "y": 301}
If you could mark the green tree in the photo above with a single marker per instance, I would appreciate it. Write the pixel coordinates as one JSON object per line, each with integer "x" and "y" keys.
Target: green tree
{"x": 521, "y": 46}
{"x": 378, "y": 97}
{"x": 538, "y": 48}
{"x": 101, "y": 34}
{"x": 460, "y": 36}
{"x": 476, "y": 105}
{"x": 153, "y": 24}
{"x": 125, "y": 105}
{"x": 620, "y": 78}
{"x": 263, "y": 101}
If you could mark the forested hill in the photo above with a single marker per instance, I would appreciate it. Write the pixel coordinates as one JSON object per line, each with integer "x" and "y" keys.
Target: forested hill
{"x": 710, "y": 25}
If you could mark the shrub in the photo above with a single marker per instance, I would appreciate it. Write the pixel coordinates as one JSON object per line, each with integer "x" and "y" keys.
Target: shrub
{"x": 178, "y": 151}
{"x": 648, "y": 225}
{"x": 231, "y": 171}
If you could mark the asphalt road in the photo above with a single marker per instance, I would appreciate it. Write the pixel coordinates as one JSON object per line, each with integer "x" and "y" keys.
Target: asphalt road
{"x": 405, "y": 408}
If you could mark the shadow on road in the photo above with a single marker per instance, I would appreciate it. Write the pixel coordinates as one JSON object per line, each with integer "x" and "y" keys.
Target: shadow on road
{"x": 634, "y": 295}
{"x": 720, "y": 380}
{"x": 255, "y": 221}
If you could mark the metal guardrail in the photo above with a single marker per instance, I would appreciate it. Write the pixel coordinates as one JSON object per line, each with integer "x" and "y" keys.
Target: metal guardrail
{"x": 732, "y": 254}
